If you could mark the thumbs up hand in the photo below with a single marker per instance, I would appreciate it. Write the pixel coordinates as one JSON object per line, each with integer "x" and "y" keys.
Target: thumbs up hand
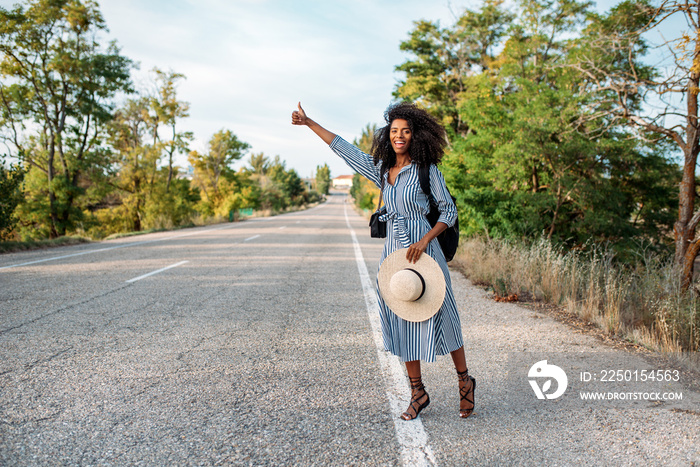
{"x": 299, "y": 116}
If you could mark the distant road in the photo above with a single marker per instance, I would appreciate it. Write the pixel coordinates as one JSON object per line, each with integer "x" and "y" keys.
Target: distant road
{"x": 251, "y": 343}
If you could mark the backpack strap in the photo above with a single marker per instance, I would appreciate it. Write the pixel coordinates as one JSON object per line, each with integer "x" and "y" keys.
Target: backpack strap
{"x": 424, "y": 179}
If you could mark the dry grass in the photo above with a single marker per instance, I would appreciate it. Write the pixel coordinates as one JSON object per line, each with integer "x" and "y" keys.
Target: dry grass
{"x": 10, "y": 247}
{"x": 642, "y": 303}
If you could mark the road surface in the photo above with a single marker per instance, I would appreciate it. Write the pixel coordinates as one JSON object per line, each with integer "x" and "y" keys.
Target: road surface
{"x": 255, "y": 343}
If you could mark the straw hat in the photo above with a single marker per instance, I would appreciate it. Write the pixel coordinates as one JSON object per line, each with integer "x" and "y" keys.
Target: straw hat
{"x": 414, "y": 291}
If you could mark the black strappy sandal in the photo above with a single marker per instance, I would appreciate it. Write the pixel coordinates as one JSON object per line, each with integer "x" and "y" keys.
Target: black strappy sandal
{"x": 466, "y": 393}
{"x": 416, "y": 397}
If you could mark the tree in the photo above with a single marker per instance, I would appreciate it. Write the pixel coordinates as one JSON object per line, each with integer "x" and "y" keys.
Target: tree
{"x": 279, "y": 187}
{"x": 10, "y": 196}
{"x": 259, "y": 164}
{"x": 445, "y": 57}
{"x": 323, "y": 179}
{"x": 57, "y": 84}
{"x": 288, "y": 180}
{"x": 167, "y": 111}
{"x": 364, "y": 192}
{"x": 366, "y": 138}
{"x": 528, "y": 156}
{"x": 135, "y": 159}
{"x": 627, "y": 89}
{"x": 224, "y": 149}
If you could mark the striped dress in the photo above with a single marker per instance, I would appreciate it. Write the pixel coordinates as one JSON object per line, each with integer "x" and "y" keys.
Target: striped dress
{"x": 407, "y": 207}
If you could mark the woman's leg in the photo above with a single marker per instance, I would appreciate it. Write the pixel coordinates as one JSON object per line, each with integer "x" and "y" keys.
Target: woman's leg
{"x": 413, "y": 369}
{"x": 466, "y": 383}
{"x": 459, "y": 360}
{"x": 419, "y": 398}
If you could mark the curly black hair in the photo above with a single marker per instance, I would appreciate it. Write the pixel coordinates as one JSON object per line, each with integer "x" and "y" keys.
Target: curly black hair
{"x": 428, "y": 138}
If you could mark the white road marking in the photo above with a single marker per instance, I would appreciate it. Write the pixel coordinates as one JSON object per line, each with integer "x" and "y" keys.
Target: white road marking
{"x": 251, "y": 238}
{"x": 156, "y": 272}
{"x": 411, "y": 436}
{"x": 115, "y": 247}
{"x": 126, "y": 245}
{"x": 283, "y": 227}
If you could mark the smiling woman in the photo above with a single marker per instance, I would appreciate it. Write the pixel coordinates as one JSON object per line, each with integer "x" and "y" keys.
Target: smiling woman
{"x": 411, "y": 142}
{"x": 412, "y": 136}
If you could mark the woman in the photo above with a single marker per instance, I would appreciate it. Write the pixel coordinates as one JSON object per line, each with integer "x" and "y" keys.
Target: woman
{"x": 412, "y": 138}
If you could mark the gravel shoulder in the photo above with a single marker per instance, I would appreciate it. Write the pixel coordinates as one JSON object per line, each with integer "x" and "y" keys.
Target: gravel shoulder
{"x": 499, "y": 338}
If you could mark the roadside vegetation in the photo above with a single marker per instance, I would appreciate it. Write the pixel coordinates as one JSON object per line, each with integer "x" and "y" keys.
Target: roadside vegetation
{"x": 642, "y": 301}
{"x": 13, "y": 246}
{"x": 98, "y": 158}
{"x": 573, "y": 145}
{"x": 572, "y": 155}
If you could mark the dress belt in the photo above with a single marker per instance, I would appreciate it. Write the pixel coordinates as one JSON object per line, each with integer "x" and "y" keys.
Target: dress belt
{"x": 398, "y": 223}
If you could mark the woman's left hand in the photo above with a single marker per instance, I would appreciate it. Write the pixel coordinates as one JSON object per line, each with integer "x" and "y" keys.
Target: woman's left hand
{"x": 416, "y": 250}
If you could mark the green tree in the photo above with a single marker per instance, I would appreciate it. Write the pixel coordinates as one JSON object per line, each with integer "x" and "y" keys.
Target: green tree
{"x": 528, "y": 156}
{"x": 10, "y": 196}
{"x": 214, "y": 167}
{"x": 323, "y": 179}
{"x": 366, "y": 138}
{"x": 57, "y": 84}
{"x": 279, "y": 188}
{"x": 168, "y": 110}
{"x": 135, "y": 160}
{"x": 170, "y": 204}
{"x": 364, "y": 192}
{"x": 443, "y": 59}
{"x": 259, "y": 164}
{"x": 608, "y": 55}
{"x": 288, "y": 181}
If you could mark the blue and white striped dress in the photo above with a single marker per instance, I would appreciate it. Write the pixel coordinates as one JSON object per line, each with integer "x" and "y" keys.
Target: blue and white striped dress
{"x": 407, "y": 207}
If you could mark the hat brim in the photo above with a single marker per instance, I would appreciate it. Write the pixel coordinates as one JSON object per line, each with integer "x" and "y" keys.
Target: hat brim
{"x": 425, "y": 307}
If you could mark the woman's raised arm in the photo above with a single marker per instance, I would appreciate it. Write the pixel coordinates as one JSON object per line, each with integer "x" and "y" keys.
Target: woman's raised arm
{"x": 299, "y": 118}
{"x": 357, "y": 160}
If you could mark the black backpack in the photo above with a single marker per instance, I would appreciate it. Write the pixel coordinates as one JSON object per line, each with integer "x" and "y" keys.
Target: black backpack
{"x": 449, "y": 239}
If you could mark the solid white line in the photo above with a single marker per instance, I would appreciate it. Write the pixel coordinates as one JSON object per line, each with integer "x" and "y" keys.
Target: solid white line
{"x": 251, "y": 238}
{"x": 156, "y": 272}
{"x": 411, "y": 436}
{"x": 125, "y": 245}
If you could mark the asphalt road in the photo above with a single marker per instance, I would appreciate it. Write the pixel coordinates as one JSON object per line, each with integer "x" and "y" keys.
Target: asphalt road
{"x": 250, "y": 344}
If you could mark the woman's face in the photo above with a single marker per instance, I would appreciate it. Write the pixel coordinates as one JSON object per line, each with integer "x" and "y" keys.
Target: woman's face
{"x": 400, "y": 136}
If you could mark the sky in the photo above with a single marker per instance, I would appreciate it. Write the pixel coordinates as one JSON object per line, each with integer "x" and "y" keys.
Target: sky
{"x": 248, "y": 62}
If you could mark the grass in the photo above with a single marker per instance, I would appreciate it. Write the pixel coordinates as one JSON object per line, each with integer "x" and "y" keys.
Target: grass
{"x": 14, "y": 246}
{"x": 147, "y": 231}
{"x": 9, "y": 247}
{"x": 642, "y": 303}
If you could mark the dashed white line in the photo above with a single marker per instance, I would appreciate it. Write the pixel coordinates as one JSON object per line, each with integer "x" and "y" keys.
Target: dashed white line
{"x": 115, "y": 247}
{"x": 283, "y": 227}
{"x": 411, "y": 436}
{"x": 156, "y": 272}
{"x": 251, "y": 238}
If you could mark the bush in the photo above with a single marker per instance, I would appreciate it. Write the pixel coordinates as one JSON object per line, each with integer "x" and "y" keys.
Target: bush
{"x": 641, "y": 301}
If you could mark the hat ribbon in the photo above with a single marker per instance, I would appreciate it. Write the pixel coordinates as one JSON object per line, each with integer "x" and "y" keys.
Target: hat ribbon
{"x": 422, "y": 281}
